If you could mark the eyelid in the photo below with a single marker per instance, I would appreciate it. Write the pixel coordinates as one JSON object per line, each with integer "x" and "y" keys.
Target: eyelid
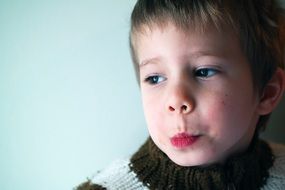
{"x": 147, "y": 79}
{"x": 213, "y": 69}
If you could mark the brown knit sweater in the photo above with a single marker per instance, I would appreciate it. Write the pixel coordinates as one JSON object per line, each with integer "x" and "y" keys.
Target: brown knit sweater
{"x": 150, "y": 168}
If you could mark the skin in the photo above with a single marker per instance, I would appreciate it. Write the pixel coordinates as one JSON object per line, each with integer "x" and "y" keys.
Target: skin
{"x": 197, "y": 83}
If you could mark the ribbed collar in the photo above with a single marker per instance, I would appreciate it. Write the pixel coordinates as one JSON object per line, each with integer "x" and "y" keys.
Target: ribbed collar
{"x": 245, "y": 171}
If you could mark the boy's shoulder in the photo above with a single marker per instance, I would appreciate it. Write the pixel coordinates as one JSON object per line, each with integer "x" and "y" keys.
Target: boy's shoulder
{"x": 277, "y": 148}
{"x": 278, "y": 151}
{"x": 276, "y": 178}
{"x": 118, "y": 175}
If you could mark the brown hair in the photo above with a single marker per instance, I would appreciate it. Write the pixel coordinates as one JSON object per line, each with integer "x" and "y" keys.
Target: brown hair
{"x": 260, "y": 25}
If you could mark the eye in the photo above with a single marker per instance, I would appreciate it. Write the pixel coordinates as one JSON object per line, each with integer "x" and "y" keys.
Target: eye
{"x": 155, "y": 79}
{"x": 205, "y": 72}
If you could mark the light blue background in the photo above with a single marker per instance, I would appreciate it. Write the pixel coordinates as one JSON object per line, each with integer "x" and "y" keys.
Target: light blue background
{"x": 69, "y": 103}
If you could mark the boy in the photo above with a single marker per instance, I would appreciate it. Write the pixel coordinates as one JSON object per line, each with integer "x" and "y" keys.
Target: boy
{"x": 210, "y": 74}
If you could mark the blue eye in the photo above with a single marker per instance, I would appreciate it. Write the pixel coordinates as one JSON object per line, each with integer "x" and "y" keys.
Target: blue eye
{"x": 154, "y": 79}
{"x": 205, "y": 72}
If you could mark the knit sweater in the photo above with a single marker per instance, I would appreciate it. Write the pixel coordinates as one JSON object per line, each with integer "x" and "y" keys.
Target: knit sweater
{"x": 149, "y": 168}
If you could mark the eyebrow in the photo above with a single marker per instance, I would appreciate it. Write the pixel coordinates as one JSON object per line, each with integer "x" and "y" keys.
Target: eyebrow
{"x": 193, "y": 55}
{"x": 149, "y": 61}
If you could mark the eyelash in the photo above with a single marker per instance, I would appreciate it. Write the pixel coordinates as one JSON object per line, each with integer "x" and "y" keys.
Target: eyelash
{"x": 154, "y": 79}
{"x": 205, "y": 72}
{"x": 202, "y": 73}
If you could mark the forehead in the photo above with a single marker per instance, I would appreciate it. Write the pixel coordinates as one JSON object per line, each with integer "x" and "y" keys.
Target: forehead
{"x": 156, "y": 39}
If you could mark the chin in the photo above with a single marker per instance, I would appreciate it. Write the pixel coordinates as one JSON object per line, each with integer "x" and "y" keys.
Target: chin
{"x": 186, "y": 162}
{"x": 182, "y": 161}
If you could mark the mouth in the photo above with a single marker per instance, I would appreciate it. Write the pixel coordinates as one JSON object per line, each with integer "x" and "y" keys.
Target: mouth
{"x": 184, "y": 140}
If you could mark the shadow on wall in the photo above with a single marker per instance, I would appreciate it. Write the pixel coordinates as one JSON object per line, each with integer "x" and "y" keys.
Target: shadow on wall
{"x": 275, "y": 130}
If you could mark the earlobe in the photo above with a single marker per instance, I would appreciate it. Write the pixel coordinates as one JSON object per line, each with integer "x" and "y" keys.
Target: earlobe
{"x": 272, "y": 93}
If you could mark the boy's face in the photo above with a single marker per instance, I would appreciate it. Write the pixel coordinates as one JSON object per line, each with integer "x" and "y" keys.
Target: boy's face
{"x": 197, "y": 92}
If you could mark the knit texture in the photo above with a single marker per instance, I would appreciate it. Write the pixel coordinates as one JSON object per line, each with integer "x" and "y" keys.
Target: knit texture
{"x": 126, "y": 175}
{"x": 117, "y": 176}
{"x": 89, "y": 186}
{"x": 246, "y": 171}
{"x": 276, "y": 180}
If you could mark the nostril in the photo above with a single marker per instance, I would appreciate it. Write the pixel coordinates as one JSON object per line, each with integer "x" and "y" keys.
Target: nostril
{"x": 171, "y": 108}
{"x": 184, "y": 108}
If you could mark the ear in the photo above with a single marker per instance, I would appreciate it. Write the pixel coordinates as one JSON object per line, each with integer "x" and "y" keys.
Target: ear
{"x": 272, "y": 93}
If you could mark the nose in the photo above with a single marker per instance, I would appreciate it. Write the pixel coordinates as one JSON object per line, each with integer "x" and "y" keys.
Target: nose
{"x": 179, "y": 101}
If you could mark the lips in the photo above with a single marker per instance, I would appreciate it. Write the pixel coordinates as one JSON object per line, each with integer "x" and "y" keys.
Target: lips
{"x": 183, "y": 140}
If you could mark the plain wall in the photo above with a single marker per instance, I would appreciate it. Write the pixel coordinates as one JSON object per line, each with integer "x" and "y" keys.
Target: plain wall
{"x": 69, "y": 102}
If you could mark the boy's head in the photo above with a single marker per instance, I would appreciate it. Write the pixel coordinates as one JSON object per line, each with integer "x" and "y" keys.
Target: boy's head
{"x": 259, "y": 24}
{"x": 207, "y": 71}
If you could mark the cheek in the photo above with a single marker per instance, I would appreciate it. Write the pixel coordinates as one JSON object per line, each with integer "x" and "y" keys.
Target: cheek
{"x": 152, "y": 110}
{"x": 216, "y": 107}
{"x": 229, "y": 114}
{"x": 155, "y": 119}
{"x": 219, "y": 114}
